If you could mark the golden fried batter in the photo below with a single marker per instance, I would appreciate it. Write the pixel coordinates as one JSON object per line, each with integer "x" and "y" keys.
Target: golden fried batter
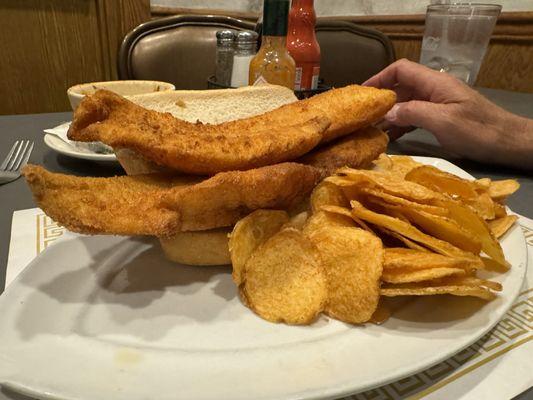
{"x": 160, "y": 205}
{"x": 229, "y": 196}
{"x": 357, "y": 150}
{"x": 348, "y": 109}
{"x": 191, "y": 148}
{"x": 279, "y": 135}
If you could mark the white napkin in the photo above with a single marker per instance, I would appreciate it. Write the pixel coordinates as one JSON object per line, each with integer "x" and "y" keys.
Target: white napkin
{"x": 498, "y": 366}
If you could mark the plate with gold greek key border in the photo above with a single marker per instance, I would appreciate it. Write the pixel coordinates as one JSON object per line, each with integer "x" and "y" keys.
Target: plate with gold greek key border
{"x": 108, "y": 317}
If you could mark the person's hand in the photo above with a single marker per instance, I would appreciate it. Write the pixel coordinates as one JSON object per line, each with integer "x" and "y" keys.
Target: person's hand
{"x": 462, "y": 120}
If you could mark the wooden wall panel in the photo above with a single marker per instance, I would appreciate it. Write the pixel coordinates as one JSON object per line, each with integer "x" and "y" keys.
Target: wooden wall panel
{"x": 121, "y": 17}
{"x": 508, "y": 63}
{"x": 53, "y": 46}
{"x": 47, "y": 46}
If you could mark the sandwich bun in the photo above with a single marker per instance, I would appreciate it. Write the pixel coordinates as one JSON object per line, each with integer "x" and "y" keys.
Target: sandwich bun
{"x": 198, "y": 248}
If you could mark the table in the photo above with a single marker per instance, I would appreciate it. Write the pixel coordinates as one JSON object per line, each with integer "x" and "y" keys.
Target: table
{"x": 17, "y": 196}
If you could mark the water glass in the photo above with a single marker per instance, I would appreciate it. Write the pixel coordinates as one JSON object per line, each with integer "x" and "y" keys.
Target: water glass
{"x": 456, "y": 37}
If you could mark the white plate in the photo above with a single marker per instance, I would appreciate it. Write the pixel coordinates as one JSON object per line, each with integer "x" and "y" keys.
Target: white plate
{"x": 108, "y": 317}
{"x": 56, "y": 143}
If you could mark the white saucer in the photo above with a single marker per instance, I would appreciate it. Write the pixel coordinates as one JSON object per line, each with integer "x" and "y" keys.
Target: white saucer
{"x": 56, "y": 139}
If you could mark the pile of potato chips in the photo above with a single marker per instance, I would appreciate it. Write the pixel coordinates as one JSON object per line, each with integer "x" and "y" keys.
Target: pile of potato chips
{"x": 402, "y": 229}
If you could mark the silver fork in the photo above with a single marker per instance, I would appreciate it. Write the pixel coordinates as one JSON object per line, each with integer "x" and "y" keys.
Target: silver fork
{"x": 16, "y": 159}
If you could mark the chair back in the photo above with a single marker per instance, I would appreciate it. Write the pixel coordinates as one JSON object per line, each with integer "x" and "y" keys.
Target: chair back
{"x": 351, "y": 53}
{"x": 178, "y": 49}
{"x": 181, "y": 50}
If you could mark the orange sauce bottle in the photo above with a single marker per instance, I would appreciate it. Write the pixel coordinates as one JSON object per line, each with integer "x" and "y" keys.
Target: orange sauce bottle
{"x": 302, "y": 44}
{"x": 273, "y": 63}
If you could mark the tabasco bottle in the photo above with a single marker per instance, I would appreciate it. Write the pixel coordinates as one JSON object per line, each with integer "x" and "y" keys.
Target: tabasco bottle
{"x": 273, "y": 63}
{"x": 302, "y": 44}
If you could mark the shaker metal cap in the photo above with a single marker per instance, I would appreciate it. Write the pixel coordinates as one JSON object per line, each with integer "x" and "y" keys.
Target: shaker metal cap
{"x": 246, "y": 37}
{"x": 225, "y": 35}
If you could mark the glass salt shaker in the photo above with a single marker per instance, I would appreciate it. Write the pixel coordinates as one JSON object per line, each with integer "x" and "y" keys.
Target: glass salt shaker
{"x": 224, "y": 56}
{"x": 245, "y": 49}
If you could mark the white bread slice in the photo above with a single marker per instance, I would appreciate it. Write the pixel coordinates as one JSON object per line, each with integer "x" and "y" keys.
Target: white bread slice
{"x": 217, "y": 106}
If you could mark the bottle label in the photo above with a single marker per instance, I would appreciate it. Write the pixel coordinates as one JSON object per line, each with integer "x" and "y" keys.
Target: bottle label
{"x": 260, "y": 81}
{"x": 298, "y": 80}
{"x": 307, "y": 76}
{"x": 314, "y": 81}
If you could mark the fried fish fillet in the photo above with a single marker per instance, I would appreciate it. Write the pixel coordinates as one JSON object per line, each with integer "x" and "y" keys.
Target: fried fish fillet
{"x": 161, "y": 205}
{"x": 348, "y": 108}
{"x": 193, "y": 148}
{"x": 278, "y": 135}
{"x": 356, "y": 150}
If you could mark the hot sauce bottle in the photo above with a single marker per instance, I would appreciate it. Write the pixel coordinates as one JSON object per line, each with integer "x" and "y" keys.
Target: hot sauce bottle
{"x": 302, "y": 44}
{"x": 272, "y": 63}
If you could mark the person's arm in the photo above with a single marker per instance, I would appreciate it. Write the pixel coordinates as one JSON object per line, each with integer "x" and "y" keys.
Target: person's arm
{"x": 462, "y": 120}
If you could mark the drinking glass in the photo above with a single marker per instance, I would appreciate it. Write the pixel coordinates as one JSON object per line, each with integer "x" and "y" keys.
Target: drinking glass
{"x": 456, "y": 37}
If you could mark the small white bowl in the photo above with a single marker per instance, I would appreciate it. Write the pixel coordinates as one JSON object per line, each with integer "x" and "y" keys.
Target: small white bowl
{"x": 124, "y": 88}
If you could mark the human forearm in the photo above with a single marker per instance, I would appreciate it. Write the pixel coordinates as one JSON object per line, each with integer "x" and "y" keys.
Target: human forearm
{"x": 516, "y": 142}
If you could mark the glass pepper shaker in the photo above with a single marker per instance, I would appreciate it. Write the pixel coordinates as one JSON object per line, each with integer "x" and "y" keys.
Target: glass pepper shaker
{"x": 224, "y": 56}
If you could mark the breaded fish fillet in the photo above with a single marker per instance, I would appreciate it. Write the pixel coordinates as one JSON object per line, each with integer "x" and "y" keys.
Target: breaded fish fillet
{"x": 160, "y": 205}
{"x": 348, "y": 108}
{"x": 187, "y": 147}
{"x": 278, "y": 135}
{"x": 356, "y": 150}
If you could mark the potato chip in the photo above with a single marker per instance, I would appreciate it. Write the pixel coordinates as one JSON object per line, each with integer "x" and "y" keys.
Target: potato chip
{"x": 353, "y": 260}
{"x": 473, "y": 223}
{"x": 384, "y": 208}
{"x": 408, "y": 242}
{"x": 346, "y": 213}
{"x": 500, "y": 226}
{"x": 484, "y": 206}
{"x": 457, "y": 188}
{"x": 284, "y": 280}
{"x": 249, "y": 233}
{"x": 462, "y": 214}
{"x": 325, "y": 194}
{"x": 483, "y": 183}
{"x": 499, "y": 210}
{"x": 490, "y": 265}
{"x": 440, "y": 227}
{"x": 399, "y": 201}
{"x": 471, "y": 281}
{"x": 443, "y": 182}
{"x": 401, "y": 258}
{"x": 353, "y": 180}
{"x": 500, "y": 190}
{"x": 382, "y": 163}
{"x": 382, "y": 313}
{"x": 402, "y": 165}
{"x": 405, "y": 275}
{"x": 324, "y": 218}
{"x": 415, "y": 289}
{"x": 409, "y": 231}
{"x": 397, "y": 165}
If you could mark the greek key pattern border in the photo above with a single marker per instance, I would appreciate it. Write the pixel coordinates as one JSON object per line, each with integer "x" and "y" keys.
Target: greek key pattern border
{"x": 515, "y": 329}
{"x": 47, "y": 230}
